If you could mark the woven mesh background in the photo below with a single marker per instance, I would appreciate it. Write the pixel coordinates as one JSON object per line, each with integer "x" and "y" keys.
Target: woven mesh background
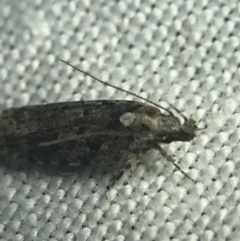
{"x": 182, "y": 52}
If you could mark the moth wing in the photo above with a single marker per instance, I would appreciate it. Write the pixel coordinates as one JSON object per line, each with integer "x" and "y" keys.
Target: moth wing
{"x": 73, "y": 132}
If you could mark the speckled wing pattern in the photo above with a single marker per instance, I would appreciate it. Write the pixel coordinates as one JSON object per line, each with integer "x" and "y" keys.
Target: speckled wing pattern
{"x": 74, "y": 133}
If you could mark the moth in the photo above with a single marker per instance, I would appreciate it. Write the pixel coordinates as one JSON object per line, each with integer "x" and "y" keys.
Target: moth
{"x": 92, "y": 132}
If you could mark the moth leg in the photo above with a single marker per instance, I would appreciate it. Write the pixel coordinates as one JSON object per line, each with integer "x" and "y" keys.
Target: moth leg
{"x": 128, "y": 168}
{"x": 172, "y": 160}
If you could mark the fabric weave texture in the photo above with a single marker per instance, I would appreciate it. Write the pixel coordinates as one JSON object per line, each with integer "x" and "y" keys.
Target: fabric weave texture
{"x": 186, "y": 53}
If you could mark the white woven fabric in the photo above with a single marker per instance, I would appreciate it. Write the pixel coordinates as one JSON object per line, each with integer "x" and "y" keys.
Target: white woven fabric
{"x": 182, "y": 52}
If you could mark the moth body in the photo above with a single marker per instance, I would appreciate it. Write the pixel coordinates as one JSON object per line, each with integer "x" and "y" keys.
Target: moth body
{"x": 92, "y": 132}
{"x": 87, "y": 132}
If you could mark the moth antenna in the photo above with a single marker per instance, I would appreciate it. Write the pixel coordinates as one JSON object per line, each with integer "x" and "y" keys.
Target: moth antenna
{"x": 185, "y": 118}
{"x": 179, "y": 112}
{"x": 115, "y": 87}
{"x": 202, "y": 128}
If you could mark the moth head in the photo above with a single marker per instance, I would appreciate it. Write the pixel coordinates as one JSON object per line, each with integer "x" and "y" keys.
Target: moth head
{"x": 189, "y": 127}
{"x": 185, "y": 131}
